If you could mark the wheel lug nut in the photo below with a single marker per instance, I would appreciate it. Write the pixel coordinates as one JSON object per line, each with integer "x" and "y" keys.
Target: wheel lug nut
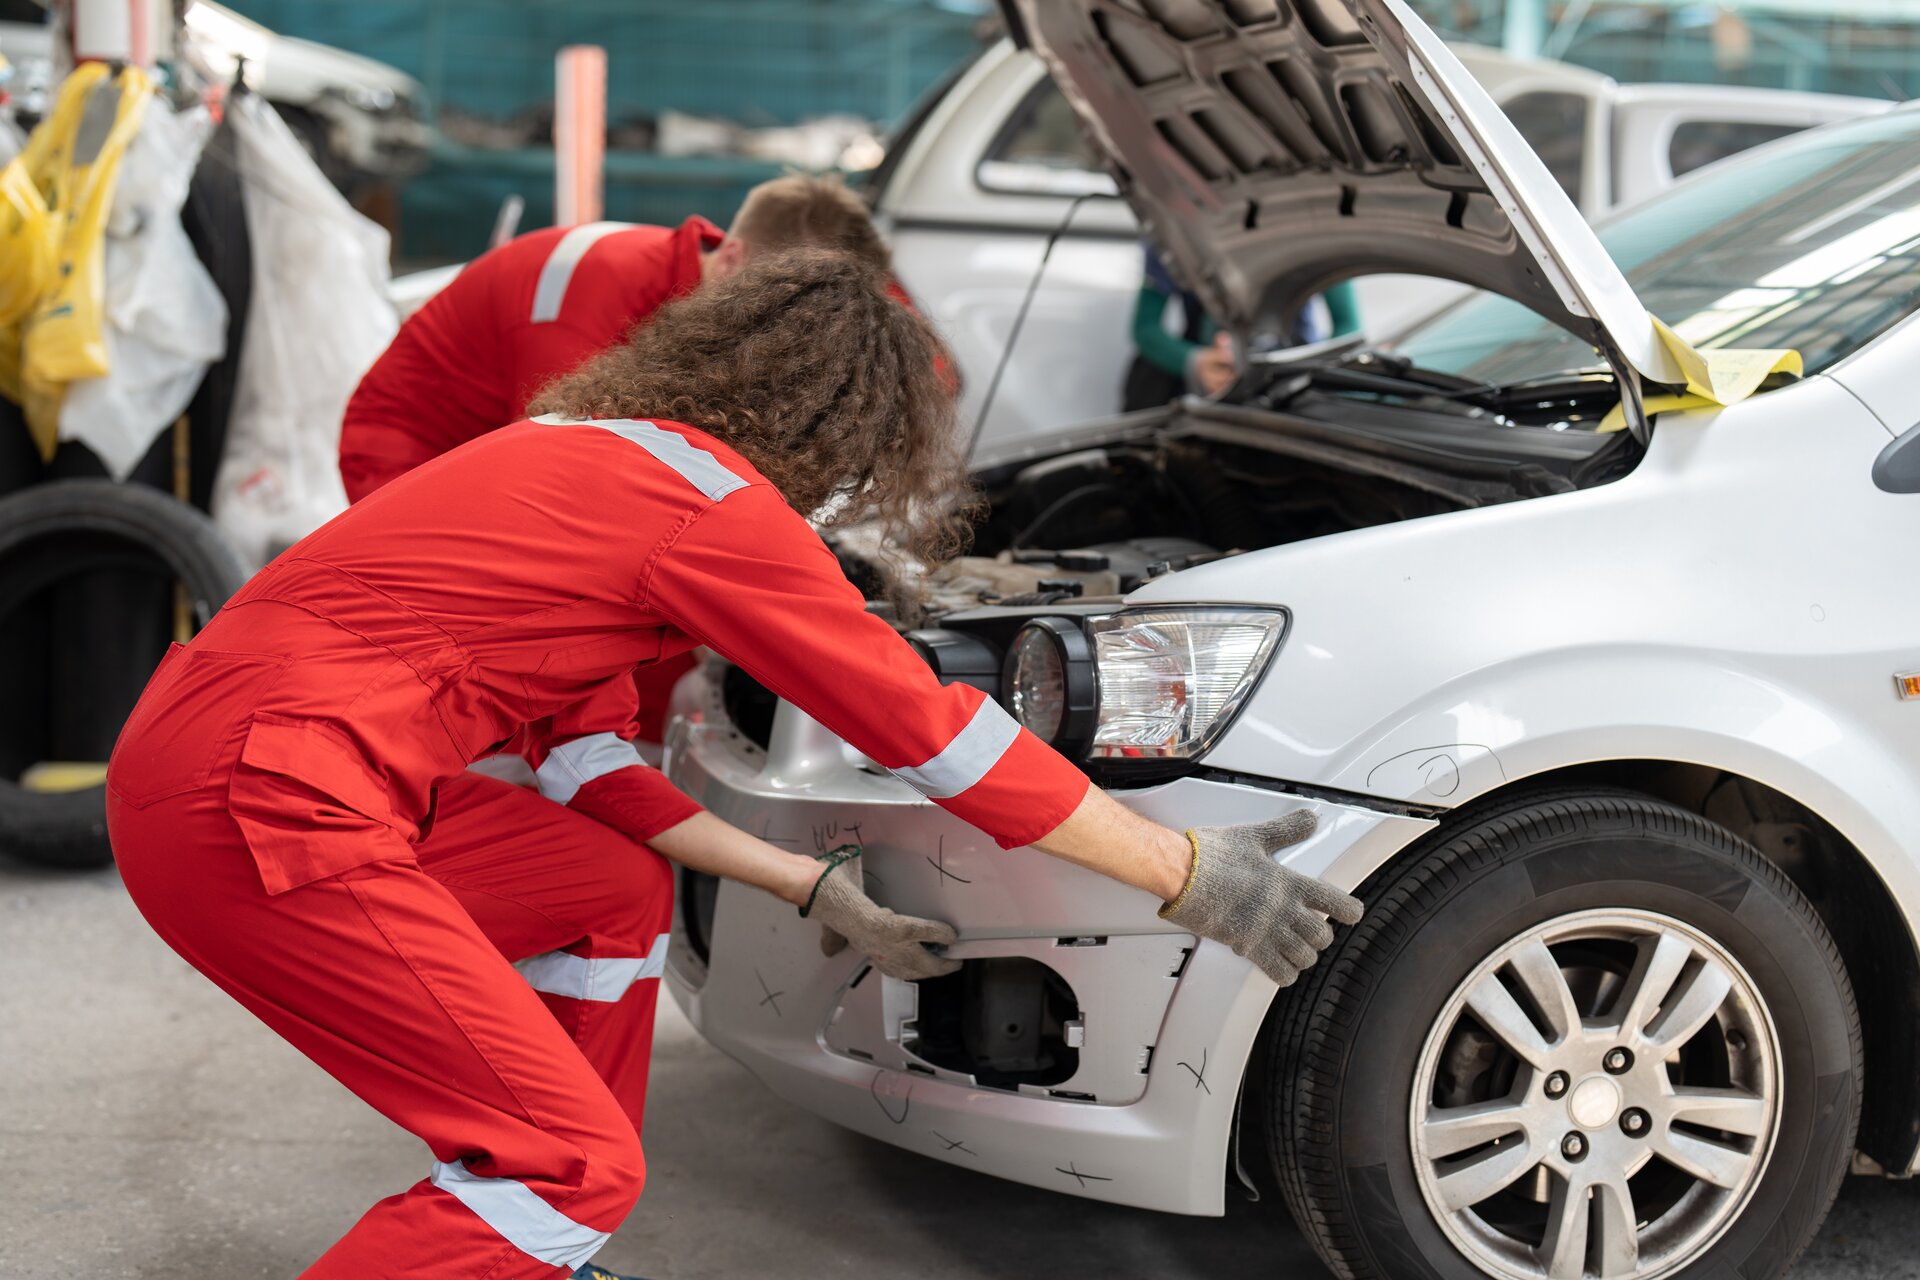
{"x": 1634, "y": 1122}
{"x": 1617, "y": 1061}
{"x": 1556, "y": 1084}
{"x": 1574, "y": 1147}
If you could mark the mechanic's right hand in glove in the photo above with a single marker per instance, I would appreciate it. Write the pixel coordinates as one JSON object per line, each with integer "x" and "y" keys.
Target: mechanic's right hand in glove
{"x": 1237, "y": 894}
{"x": 895, "y": 943}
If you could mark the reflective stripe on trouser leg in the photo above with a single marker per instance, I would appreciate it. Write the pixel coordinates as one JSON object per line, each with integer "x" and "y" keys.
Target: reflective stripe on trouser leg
{"x": 600, "y": 978}
{"x": 521, "y": 1218}
{"x": 967, "y": 758}
{"x": 572, "y": 765}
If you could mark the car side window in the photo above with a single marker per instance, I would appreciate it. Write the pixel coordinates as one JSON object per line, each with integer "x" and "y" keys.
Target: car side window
{"x": 1698, "y": 143}
{"x": 1555, "y": 126}
{"x": 1041, "y": 151}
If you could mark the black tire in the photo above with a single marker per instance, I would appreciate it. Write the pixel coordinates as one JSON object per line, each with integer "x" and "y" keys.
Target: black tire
{"x": 54, "y": 531}
{"x": 1341, "y": 1048}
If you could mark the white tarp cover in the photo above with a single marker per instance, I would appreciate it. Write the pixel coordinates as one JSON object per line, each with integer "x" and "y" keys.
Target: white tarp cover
{"x": 318, "y": 317}
{"x": 165, "y": 319}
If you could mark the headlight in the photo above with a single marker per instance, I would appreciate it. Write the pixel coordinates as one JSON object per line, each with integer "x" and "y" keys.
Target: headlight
{"x": 375, "y": 98}
{"x": 1171, "y": 680}
{"x": 1049, "y": 682}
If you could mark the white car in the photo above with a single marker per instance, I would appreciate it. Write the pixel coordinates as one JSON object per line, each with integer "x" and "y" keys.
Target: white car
{"x": 1617, "y": 732}
{"x": 978, "y": 179}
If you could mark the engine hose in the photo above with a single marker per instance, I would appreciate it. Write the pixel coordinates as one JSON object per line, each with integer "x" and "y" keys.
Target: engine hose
{"x": 1023, "y": 539}
{"x": 1227, "y": 519}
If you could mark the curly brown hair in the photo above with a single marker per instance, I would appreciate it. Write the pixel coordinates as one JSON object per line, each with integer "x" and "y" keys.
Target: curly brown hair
{"x": 825, "y": 384}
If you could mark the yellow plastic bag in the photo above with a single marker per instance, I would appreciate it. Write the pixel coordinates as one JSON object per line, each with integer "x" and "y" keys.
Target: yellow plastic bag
{"x": 26, "y": 243}
{"x": 72, "y": 160}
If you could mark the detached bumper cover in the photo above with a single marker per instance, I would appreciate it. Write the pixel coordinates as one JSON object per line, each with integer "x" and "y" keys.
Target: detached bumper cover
{"x": 1146, "y": 1120}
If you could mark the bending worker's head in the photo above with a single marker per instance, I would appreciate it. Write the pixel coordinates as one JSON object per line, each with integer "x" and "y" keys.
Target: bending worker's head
{"x": 802, "y": 363}
{"x": 797, "y": 212}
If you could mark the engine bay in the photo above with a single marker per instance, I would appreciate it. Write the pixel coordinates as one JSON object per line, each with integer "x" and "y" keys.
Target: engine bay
{"x": 1206, "y": 481}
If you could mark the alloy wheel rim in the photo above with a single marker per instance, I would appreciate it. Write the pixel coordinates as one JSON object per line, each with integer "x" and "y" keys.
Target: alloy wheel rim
{"x": 1598, "y": 1098}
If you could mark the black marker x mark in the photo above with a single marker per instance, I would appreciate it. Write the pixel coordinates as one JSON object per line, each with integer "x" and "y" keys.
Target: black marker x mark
{"x": 1200, "y": 1076}
{"x": 941, "y": 864}
{"x": 772, "y": 998}
{"x": 1084, "y": 1178}
{"x": 953, "y": 1144}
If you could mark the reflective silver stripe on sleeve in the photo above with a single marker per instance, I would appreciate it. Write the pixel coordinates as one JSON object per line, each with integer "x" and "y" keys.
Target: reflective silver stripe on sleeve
{"x": 572, "y": 765}
{"x": 551, "y": 289}
{"x": 520, "y": 1217}
{"x": 964, "y": 761}
{"x": 696, "y": 466}
{"x": 604, "y": 979}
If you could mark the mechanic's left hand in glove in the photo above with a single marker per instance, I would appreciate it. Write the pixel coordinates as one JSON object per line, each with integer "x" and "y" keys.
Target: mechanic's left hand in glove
{"x": 1237, "y": 894}
{"x": 895, "y": 943}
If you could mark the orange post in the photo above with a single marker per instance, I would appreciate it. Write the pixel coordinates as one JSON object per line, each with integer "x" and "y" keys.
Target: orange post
{"x": 579, "y": 133}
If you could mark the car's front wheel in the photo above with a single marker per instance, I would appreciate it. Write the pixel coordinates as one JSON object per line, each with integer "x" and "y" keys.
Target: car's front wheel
{"x": 1584, "y": 1035}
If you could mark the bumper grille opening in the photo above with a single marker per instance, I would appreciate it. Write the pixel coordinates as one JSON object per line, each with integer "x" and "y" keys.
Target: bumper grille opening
{"x": 1001, "y": 1020}
{"x": 699, "y": 896}
{"x": 749, "y": 705}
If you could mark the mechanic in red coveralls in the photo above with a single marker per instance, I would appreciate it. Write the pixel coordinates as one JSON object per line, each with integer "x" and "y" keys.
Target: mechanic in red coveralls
{"x": 531, "y": 310}
{"x": 279, "y": 800}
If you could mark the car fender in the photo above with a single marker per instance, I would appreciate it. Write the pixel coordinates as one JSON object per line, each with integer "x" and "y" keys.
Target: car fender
{"x": 1717, "y": 605}
{"x": 1500, "y": 726}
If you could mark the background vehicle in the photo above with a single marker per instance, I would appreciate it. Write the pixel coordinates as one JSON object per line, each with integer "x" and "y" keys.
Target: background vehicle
{"x": 1631, "y": 856}
{"x": 986, "y": 170}
{"x": 362, "y": 120}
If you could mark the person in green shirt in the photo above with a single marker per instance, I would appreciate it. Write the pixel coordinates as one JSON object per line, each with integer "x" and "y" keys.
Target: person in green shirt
{"x": 1196, "y": 358}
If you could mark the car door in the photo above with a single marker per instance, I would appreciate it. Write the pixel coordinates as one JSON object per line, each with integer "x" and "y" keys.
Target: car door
{"x": 991, "y": 171}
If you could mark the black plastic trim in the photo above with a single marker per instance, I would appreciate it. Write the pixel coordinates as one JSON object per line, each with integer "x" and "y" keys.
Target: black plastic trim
{"x": 1075, "y": 648}
{"x": 1331, "y": 795}
{"x": 1897, "y": 469}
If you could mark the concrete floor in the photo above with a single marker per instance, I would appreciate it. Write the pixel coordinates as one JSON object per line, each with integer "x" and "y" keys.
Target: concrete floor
{"x": 150, "y": 1128}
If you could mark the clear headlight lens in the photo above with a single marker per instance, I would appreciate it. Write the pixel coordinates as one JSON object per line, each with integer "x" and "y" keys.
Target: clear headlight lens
{"x": 1171, "y": 680}
{"x": 1037, "y": 683}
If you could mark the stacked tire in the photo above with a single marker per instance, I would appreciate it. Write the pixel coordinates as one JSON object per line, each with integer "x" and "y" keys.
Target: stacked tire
{"x": 57, "y": 534}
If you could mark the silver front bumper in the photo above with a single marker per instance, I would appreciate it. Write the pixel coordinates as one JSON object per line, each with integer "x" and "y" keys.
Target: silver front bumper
{"x": 1167, "y": 1025}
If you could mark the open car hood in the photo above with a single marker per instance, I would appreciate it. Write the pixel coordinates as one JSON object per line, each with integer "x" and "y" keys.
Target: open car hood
{"x": 1275, "y": 147}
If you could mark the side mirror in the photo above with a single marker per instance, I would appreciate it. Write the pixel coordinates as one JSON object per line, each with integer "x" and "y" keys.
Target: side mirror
{"x": 1897, "y": 469}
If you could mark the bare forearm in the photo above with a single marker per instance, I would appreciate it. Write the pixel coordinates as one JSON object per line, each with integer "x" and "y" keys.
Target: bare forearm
{"x": 1105, "y": 836}
{"x": 706, "y": 843}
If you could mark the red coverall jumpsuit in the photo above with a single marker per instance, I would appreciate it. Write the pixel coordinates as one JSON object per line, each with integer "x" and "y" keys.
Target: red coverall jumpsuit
{"x": 269, "y": 795}
{"x": 514, "y": 320}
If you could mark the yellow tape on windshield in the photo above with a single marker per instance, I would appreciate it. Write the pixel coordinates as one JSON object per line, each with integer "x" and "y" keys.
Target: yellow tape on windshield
{"x": 1714, "y": 378}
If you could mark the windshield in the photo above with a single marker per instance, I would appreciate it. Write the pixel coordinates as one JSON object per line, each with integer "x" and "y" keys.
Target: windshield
{"x": 1812, "y": 243}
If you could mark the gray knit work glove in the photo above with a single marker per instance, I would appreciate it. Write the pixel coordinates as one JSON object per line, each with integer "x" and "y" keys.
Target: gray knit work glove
{"x": 892, "y": 941}
{"x": 1237, "y": 894}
